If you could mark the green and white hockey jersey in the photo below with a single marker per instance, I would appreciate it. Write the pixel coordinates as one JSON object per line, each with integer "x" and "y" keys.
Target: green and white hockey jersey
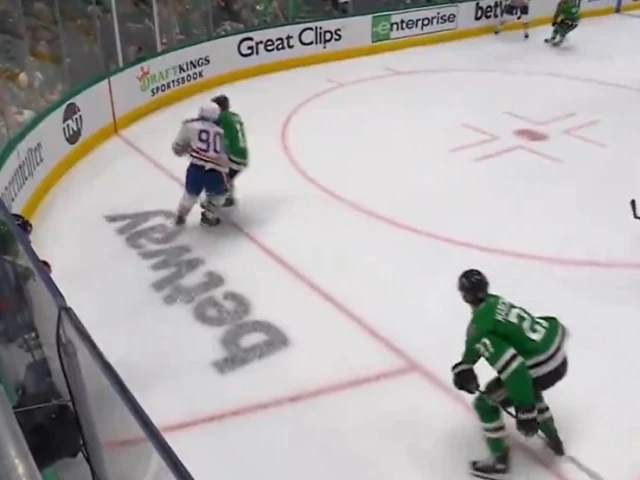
{"x": 516, "y": 344}
{"x": 235, "y": 139}
{"x": 567, "y": 10}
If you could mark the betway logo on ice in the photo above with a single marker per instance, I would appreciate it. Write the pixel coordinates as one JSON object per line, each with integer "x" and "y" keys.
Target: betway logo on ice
{"x": 424, "y": 21}
{"x": 489, "y": 10}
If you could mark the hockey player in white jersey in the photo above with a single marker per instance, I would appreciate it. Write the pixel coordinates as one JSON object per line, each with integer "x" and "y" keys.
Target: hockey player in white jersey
{"x": 518, "y": 10}
{"x": 202, "y": 140}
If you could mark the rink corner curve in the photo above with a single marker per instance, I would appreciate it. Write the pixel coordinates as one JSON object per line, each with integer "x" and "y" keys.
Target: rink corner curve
{"x": 38, "y": 157}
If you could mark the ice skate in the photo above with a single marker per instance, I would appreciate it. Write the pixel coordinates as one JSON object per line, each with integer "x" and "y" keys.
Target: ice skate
{"x": 229, "y": 196}
{"x": 229, "y": 201}
{"x": 179, "y": 220}
{"x": 493, "y": 468}
{"x": 209, "y": 220}
{"x": 559, "y": 41}
{"x": 555, "y": 444}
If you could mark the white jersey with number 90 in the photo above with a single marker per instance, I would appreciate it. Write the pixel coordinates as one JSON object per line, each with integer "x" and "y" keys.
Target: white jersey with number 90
{"x": 203, "y": 141}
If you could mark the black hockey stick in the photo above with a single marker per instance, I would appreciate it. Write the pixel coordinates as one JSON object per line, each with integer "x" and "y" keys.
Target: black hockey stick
{"x": 634, "y": 209}
{"x": 589, "y": 472}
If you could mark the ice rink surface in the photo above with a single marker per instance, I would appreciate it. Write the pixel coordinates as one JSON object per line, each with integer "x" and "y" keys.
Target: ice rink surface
{"x": 374, "y": 182}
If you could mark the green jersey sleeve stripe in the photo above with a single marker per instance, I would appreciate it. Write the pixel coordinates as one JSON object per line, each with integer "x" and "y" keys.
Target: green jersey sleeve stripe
{"x": 505, "y": 359}
{"x": 515, "y": 362}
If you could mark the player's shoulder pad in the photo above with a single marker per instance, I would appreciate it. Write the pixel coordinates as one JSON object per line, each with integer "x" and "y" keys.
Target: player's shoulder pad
{"x": 483, "y": 317}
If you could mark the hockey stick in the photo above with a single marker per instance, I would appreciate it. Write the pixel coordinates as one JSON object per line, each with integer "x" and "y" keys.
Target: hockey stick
{"x": 634, "y": 209}
{"x": 589, "y": 472}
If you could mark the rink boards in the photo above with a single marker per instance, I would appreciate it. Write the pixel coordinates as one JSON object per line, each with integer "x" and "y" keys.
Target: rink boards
{"x": 35, "y": 159}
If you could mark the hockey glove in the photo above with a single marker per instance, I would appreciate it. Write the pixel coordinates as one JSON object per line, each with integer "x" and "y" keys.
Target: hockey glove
{"x": 527, "y": 420}
{"x": 179, "y": 149}
{"x": 465, "y": 378}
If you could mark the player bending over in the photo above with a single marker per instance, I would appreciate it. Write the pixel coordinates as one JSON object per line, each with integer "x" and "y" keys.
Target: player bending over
{"x": 565, "y": 20}
{"x": 202, "y": 139}
{"x": 518, "y": 9}
{"x": 528, "y": 355}
{"x": 235, "y": 144}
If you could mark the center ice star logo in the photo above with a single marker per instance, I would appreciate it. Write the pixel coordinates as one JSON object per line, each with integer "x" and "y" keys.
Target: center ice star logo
{"x": 530, "y": 135}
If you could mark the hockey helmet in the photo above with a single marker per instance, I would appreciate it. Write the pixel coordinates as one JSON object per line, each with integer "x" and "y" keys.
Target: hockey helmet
{"x": 209, "y": 112}
{"x": 222, "y": 101}
{"x": 473, "y": 286}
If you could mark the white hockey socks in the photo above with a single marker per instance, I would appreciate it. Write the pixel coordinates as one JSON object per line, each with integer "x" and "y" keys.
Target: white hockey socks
{"x": 186, "y": 204}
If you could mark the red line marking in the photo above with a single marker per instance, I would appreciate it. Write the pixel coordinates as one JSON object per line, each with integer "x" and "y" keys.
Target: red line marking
{"x": 424, "y": 372}
{"x": 434, "y": 236}
{"x": 255, "y": 408}
{"x": 540, "y": 123}
{"x": 572, "y": 133}
{"x": 157, "y": 165}
{"x": 499, "y": 153}
{"x": 541, "y": 154}
{"x": 515, "y": 148}
{"x": 490, "y": 138}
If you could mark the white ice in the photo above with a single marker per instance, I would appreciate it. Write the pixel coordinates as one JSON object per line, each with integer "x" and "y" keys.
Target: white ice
{"x": 358, "y": 212}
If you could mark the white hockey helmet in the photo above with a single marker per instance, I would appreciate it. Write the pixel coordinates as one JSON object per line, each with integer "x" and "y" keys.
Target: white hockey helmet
{"x": 209, "y": 111}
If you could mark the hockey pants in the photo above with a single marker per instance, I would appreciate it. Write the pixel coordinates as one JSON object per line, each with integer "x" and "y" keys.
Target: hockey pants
{"x": 563, "y": 27}
{"x": 488, "y": 406}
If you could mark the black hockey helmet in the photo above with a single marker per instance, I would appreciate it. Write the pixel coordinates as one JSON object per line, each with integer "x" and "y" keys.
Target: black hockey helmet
{"x": 473, "y": 286}
{"x": 22, "y": 223}
{"x": 222, "y": 101}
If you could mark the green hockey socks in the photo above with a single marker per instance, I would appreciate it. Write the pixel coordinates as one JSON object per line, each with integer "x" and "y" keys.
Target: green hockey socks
{"x": 495, "y": 432}
{"x": 545, "y": 419}
{"x": 562, "y": 29}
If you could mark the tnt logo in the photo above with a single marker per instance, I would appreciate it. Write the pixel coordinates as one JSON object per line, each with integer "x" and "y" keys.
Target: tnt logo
{"x": 72, "y": 123}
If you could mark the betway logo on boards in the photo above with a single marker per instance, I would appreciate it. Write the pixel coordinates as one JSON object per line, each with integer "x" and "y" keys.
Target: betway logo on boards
{"x": 489, "y": 10}
{"x": 413, "y": 23}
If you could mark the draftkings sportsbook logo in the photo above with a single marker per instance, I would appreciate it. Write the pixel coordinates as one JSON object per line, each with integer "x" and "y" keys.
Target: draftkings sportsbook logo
{"x": 413, "y": 23}
{"x": 156, "y": 82}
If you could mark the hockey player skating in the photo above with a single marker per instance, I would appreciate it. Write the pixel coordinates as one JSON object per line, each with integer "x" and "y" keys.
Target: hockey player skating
{"x": 518, "y": 9}
{"x": 203, "y": 140}
{"x": 565, "y": 20}
{"x": 235, "y": 145}
{"x": 528, "y": 355}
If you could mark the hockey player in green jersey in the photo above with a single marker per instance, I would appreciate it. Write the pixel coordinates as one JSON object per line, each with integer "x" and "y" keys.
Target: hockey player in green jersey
{"x": 235, "y": 144}
{"x": 528, "y": 355}
{"x": 565, "y": 20}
